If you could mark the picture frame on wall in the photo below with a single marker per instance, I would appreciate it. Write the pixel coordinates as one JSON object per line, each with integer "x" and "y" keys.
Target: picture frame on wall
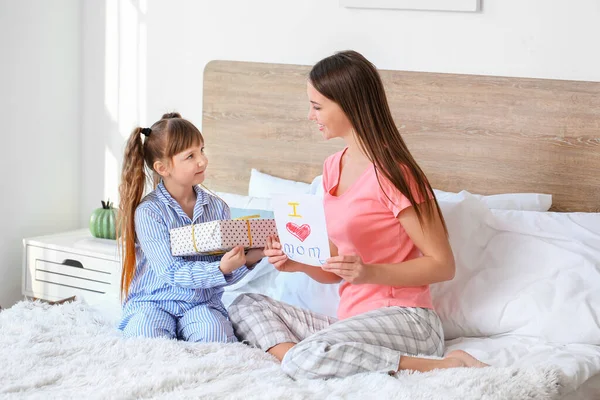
{"x": 427, "y": 5}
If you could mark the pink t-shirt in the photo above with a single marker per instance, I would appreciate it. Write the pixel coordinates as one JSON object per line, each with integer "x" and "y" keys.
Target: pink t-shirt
{"x": 363, "y": 221}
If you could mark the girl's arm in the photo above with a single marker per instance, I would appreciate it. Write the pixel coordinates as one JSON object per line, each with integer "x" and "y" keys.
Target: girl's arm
{"x": 154, "y": 239}
{"x": 237, "y": 275}
{"x": 282, "y": 263}
{"x": 436, "y": 264}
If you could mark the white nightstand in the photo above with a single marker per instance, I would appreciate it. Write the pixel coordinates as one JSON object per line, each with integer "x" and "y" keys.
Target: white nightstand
{"x": 56, "y": 267}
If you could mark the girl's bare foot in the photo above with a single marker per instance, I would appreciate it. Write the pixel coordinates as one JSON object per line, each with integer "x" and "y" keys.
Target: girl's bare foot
{"x": 459, "y": 358}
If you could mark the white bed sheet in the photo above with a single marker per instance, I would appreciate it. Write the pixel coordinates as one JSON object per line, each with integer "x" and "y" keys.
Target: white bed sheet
{"x": 70, "y": 351}
{"x": 578, "y": 362}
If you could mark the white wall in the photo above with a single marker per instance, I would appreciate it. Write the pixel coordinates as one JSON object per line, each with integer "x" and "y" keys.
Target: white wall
{"x": 39, "y": 108}
{"x": 164, "y": 46}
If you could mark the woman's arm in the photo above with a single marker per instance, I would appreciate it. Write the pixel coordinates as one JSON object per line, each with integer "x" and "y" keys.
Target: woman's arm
{"x": 282, "y": 263}
{"x": 315, "y": 273}
{"x": 436, "y": 264}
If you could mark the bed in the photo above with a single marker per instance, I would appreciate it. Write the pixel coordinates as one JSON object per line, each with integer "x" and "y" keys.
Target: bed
{"x": 487, "y": 135}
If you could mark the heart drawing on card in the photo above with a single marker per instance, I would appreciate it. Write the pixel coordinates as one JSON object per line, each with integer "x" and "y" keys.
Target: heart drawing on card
{"x": 301, "y": 232}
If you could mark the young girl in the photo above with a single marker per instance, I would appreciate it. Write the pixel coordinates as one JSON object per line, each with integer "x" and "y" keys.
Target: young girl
{"x": 388, "y": 244}
{"x": 167, "y": 296}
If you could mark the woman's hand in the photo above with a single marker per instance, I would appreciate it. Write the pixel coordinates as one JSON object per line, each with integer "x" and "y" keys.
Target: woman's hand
{"x": 276, "y": 256}
{"x": 350, "y": 268}
{"x": 232, "y": 260}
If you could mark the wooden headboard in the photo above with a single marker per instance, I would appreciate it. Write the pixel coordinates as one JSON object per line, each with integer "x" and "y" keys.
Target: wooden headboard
{"x": 480, "y": 133}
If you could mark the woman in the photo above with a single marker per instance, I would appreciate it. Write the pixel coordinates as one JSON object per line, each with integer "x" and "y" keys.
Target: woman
{"x": 388, "y": 243}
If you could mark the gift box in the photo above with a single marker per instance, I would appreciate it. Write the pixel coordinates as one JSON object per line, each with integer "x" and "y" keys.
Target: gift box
{"x": 218, "y": 237}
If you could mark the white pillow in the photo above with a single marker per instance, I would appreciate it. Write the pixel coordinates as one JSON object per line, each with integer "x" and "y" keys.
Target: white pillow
{"x": 522, "y": 272}
{"x": 240, "y": 201}
{"x": 300, "y": 290}
{"x": 316, "y": 187}
{"x": 263, "y": 283}
{"x": 261, "y": 268}
{"x": 264, "y": 185}
{"x": 506, "y": 201}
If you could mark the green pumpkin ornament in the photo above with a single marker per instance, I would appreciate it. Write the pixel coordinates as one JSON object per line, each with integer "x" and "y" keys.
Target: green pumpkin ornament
{"x": 103, "y": 221}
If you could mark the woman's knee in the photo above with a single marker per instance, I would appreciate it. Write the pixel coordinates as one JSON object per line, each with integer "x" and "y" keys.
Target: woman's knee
{"x": 248, "y": 299}
{"x": 241, "y": 305}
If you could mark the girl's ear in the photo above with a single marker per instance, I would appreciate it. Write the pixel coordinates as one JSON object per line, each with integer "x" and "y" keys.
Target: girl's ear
{"x": 161, "y": 168}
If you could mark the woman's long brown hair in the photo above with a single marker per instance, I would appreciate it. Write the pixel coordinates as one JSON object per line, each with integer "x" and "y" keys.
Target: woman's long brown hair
{"x": 169, "y": 136}
{"x": 353, "y": 82}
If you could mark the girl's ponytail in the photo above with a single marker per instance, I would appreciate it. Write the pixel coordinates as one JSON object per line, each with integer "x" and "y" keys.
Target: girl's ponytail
{"x": 131, "y": 190}
{"x": 165, "y": 138}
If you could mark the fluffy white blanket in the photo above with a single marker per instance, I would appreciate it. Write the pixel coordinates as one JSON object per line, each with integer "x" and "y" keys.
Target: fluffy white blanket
{"x": 72, "y": 351}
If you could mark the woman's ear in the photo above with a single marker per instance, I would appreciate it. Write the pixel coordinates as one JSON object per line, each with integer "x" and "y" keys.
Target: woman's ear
{"x": 161, "y": 168}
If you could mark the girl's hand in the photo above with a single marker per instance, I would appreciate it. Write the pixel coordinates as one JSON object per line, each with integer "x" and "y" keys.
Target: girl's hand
{"x": 350, "y": 268}
{"x": 232, "y": 260}
{"x": 276, "y": 256}
{"x": 253, "y": 256}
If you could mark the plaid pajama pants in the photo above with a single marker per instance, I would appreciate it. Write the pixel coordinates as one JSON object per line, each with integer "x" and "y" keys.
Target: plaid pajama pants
{"x": 326, "y": 348}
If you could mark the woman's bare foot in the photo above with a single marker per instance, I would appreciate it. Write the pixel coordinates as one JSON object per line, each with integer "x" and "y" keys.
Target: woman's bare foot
{"x": 455, "y": 359}
{"x": 461, "y": 358}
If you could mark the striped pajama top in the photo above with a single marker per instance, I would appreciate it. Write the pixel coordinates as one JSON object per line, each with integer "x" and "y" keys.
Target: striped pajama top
{"x": 160, "y": 276}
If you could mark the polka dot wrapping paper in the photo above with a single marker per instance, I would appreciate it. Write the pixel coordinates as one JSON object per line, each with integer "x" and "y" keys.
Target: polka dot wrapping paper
{"x": 218, "y": 237}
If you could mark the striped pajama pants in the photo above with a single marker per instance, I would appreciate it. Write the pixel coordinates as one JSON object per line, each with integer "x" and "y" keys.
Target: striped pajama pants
{"x": 177, "y": 320}
{"x": 326, "y": 348}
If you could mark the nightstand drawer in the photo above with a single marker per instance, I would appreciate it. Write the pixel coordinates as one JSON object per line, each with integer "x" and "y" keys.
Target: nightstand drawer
{"x": 77, "y": 261}
{"x": 50, "y": 267}
{"x": 71, "y": 276}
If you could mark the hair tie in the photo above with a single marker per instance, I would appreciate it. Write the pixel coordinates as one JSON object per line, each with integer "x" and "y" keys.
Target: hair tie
{"x": 146, "y": 131}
